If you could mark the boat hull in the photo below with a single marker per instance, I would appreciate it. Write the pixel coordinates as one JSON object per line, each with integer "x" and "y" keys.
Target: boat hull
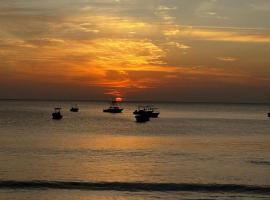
{"x": 151, "y": 114}
{"x": 154, "y": 115}
{"x": 57, "y": 116}
{"x": 142, "y": 118}
{"x": 74, "y": 110}
{"x": 113, "y": 110}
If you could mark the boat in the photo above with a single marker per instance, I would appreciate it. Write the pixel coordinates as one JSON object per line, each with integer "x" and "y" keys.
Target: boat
{"x": 269, "y": 114}
{"x": 74, "y": 108}
{"x": 57, "y": 114}
{"x": 155, "y": 113}
{"x": 143, "y": 117}
{"x": 149, "y": 110}
{"x": 114, "y": 108}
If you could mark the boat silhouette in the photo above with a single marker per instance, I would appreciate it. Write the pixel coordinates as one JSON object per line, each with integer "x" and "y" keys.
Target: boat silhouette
{"x": 74, "y": 108}
{"x": 149, "y": 110}
{"x": 114, "y": 108}
{"x": 142, "y": 117}
{"x": 57, "y": 114}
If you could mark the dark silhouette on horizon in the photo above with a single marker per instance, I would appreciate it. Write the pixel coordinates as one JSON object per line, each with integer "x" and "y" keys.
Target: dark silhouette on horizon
{"x": 57, "y": 114}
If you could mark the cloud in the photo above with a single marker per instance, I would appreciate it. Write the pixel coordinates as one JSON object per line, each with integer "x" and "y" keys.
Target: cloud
{"x": 227, "y": 59}
{"x": 166, "y": 8}
{"x": 211, "y": 13}
{"x": 262, "y": 6}
{"x": 127, "y": 46}
{"x": 219, "y": 35}
{"x": 105, "y": 63}
{"x": 178, "y": 45}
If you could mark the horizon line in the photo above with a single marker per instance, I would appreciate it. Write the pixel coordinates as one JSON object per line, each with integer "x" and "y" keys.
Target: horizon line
{"x": 131, "y": 101}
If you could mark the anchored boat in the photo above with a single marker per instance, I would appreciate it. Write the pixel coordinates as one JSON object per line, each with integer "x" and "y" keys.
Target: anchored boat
{"x": 114, "y": 108}
{"x": 144, "y": 113}
{"x": 74, "y": 108}
{"x": 143, "y": 117}
{"x": 57, "y": 114}
{"x": 149, "y": 110}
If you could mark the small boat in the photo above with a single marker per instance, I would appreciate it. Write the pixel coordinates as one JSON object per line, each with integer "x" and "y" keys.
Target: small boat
{"x": 142, "y": 117}
{"x": 74, "y": 109}
{"x": 269, "y": 114}
{"x": 57, "y": 114}
{"x": 154, "y": 113}
{"x": 114, "y": 108}
{"x": 150, "y": 110}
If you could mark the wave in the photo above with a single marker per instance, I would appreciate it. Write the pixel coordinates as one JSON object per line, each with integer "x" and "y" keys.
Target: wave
{"x": 260, "y": 162}
{"x": 135, "y": 186}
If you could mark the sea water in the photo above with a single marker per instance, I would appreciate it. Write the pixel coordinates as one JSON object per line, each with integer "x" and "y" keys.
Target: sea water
{"x": 192, "y": 151}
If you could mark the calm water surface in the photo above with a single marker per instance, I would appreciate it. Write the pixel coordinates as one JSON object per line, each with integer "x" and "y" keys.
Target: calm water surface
{"x": 202, "y": 145}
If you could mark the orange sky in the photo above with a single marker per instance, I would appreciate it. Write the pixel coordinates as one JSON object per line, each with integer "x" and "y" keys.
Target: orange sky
{"x": 179, "y": 50}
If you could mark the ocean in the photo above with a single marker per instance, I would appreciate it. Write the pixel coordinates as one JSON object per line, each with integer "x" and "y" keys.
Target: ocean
{"x": 192, "y": 151}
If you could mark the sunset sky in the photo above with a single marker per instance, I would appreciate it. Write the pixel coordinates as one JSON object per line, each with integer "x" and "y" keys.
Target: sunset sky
{"x": 162, "y": 50}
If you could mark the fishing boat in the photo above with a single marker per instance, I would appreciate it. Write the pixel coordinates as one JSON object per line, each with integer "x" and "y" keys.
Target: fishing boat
{"x": 57, "y": 114}
{"x": 155, "y": 113}
{"x": 74, "y": 108}
{"x": 114, "y": 108}
{"x": 143, "y": 117}
{"x": 149, "y": 110}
